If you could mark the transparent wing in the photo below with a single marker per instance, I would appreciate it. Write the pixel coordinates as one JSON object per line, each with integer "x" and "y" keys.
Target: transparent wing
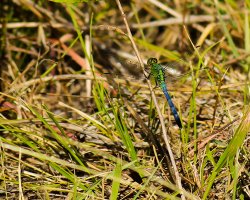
{"x": 127, "y": 66}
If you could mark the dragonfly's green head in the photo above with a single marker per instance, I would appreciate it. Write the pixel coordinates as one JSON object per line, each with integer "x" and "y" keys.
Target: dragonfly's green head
{"x": 152, "y": 61}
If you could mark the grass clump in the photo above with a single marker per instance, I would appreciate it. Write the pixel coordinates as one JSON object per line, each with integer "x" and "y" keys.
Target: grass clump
{"x": 79, "y": 119}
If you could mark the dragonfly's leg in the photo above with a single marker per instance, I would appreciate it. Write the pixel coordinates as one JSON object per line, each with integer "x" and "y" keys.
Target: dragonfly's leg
{"x": 156, "y": 84}
{"x": 149, "y": 75}
{"x": 147, "y": 69}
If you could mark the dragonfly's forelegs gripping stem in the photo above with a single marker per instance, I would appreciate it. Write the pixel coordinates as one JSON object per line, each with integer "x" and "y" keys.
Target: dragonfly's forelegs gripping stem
{"x": 149, "y": 75}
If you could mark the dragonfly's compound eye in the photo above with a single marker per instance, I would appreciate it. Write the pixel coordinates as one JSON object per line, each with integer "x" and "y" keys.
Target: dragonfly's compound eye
{"x": 152, "y": 61}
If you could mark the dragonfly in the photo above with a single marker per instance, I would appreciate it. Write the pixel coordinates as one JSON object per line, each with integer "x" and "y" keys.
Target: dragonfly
{"x": 157, "y": 70}
{"x": 158, "y": 73}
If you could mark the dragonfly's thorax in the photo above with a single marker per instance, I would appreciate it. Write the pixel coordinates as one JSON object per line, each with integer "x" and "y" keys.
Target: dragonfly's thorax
{"x": 158, "y": 73}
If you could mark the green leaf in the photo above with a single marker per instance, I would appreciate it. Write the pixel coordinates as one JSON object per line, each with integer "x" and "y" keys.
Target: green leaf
{"x": 116, "y": 182}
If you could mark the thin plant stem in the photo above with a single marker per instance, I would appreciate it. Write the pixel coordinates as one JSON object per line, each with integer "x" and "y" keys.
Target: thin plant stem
{"x": 177, "y": 176}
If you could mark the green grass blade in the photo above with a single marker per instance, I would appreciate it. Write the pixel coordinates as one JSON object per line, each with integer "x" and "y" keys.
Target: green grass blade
{"x": 169, "y": 54}
{"x": 231, "y": 149}
{"x": 123, "y": 132}
{"x": 116, "y": 181}
{"x": 59, "y": 138}
{"x": 226, "y": 32}
{"x": 67, "y": 174}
